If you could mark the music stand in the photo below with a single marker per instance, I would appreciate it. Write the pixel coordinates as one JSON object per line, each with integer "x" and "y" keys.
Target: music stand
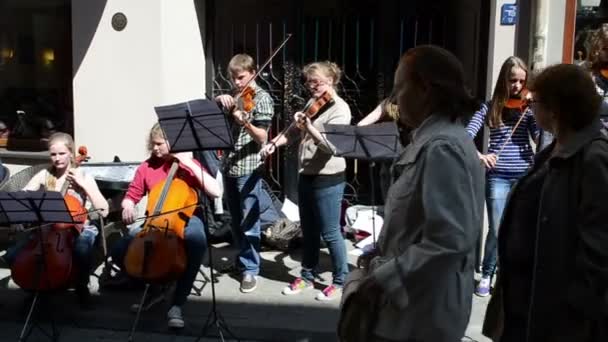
{"x": 197, "y": 125}
{"x": 35, "y": 207}
{"x": 378, "y": 142}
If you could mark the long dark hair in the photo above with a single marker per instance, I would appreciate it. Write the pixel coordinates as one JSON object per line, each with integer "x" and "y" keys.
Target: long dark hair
{"x": 501, "y": 90}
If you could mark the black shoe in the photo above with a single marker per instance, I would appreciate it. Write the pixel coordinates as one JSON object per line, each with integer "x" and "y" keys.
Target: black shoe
{"x": 84, "y": 298}
{"x": 249, "y": 283}
{"x": 232, "y": 269}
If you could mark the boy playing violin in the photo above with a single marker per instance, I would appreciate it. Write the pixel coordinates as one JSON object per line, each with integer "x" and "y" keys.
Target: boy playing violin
{"x": 242, "y": 166}
{"x": 150, "y": 173}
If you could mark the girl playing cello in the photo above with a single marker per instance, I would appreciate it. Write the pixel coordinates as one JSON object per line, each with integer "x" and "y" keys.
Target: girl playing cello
{"x": 321, "y": 181}
{"x": 151, "y": 172}
{"x": 82, "y": 187}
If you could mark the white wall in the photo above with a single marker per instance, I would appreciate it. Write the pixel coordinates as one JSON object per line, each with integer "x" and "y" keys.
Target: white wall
{"x": 500, "y": 46}
{"x": 555, "y": 29}
{"x": 157, "y": 59}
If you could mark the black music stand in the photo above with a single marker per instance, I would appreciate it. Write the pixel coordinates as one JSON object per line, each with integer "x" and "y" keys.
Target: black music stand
{"x": 196, "y": 125}
{"x": 372, "y": 143}
{"x": 34, "y": 207}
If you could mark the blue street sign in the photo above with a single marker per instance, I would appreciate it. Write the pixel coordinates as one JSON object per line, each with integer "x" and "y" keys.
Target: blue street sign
{"x": 508, "y": 14}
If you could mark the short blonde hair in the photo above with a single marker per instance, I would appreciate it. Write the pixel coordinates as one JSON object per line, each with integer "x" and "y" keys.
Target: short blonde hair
{"x": 155, "y": 132}
{"x": 325, "y": 68}
{"x": 65, "y": 139}
{"x": 241, "y": 62}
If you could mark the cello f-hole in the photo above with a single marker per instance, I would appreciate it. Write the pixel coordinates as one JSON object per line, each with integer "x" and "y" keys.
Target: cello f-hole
{"x": 58, "y": 246}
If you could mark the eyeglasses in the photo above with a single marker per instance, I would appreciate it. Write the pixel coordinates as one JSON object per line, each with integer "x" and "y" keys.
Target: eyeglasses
{"x": 315, "y": 83}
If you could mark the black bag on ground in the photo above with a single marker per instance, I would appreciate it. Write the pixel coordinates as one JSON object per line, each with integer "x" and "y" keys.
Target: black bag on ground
{"x": 282, "y": 234}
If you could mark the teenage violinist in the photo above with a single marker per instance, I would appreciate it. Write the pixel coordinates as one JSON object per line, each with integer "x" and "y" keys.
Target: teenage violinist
{"x": 321, "y": 181}
{"x": 510, "y": 153}
{"x": 150, "y": 173}
{"x": 82, "y": 187}
{"x": 251, "y": 109}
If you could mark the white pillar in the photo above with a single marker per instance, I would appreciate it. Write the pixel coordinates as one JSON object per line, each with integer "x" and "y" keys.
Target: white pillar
{"x": 119, "y": 76}
{"x": 500, "y": 46}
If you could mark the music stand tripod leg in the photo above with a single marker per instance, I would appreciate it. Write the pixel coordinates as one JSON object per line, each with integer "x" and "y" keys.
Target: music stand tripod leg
{"x": 214, "y": 317}
{"x": 25, "y": 332}
{"x": 141, "y": 305}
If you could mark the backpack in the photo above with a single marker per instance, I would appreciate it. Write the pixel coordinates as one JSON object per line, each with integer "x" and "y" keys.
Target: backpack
{"x": 282, "y": 234}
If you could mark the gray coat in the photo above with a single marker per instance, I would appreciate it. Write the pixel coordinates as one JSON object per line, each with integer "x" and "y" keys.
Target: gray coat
{"x": 433, "y": 217}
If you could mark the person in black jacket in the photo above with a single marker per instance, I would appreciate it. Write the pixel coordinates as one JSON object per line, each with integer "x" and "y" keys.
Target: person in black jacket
{"x": 553, "y": 243}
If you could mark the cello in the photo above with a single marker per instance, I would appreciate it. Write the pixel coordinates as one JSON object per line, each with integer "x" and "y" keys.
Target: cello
{"x": 45, "y": 263}
{"x": 157, "y": 253}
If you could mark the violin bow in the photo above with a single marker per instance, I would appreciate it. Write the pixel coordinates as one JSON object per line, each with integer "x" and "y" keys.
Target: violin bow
{"x": 523, "y": 113}
{"x": 257, "y": 72}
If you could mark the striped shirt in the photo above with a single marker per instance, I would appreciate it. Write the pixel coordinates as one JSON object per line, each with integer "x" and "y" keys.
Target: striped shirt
{"x": 517, "y": 155}
{"x": 244, "y": 159}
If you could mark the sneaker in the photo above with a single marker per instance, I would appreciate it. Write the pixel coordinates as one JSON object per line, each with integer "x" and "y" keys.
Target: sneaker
{"x": 329, "y": 293}
{"x": 175, "y": 320}
{"x": 249, "y": 283}
{"x": 483, "y": 288}
{"x": 297, "y": 286}
{"x": 150, "y": 301}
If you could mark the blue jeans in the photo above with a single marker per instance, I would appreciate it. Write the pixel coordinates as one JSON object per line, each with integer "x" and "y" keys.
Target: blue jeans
{"x": 320, "y": 210}
{"x": 243, "y": 196}
{"x": 195, "y": 243}
{"x": 84, "y": 246}
{"x": 497, "y": 190}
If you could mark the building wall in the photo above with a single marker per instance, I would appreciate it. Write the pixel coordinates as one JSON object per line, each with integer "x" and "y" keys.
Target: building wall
{"x": 500, "y": 46}
{"x": 554, "y": 19}
{"x": 119, "y": 76}
{"x": 555, "y": 29}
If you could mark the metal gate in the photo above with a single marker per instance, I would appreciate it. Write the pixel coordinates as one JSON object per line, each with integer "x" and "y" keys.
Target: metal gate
{"x": 365, "y": 38}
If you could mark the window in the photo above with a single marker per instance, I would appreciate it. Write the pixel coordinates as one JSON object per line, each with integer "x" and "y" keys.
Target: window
{"x": 35, "y": 72}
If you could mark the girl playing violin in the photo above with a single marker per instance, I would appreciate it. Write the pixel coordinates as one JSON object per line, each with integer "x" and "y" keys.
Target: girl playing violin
{"x": 510, "y": 152}
{"x": 321, "y": 181}
{"x": 152, "y": 171}
{"x": 83, "y": 187}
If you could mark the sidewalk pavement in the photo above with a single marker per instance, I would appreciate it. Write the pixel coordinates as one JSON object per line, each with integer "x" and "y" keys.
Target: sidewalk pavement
{"x": 263, "y": 315}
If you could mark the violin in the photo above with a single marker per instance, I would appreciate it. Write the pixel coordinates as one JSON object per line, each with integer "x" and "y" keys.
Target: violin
{"x": 246, "y": 98}
{"x": 46, "y": 262}
{"x": 311, "y": 110}
{"x": 157, "y": 253}
{"x": 520, "y": 102}
{"x": 245, "y": 102}
{"x": 314, "y": 107}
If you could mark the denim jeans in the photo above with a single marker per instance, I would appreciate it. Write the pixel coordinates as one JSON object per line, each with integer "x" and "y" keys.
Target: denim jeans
{"x": 195, "y": 243}
{"x": 320, "y": 210}
{"x": 84, "y": 246}
{"x": 243, "y": 196}
{"x": 497, "y": 190}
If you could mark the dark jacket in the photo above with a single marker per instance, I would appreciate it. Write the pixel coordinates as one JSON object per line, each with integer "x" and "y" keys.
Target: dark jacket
{"x": 569, "y": 285}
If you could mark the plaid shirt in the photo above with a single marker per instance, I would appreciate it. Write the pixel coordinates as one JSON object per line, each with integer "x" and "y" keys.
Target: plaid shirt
{"x": 244, "y": 160}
